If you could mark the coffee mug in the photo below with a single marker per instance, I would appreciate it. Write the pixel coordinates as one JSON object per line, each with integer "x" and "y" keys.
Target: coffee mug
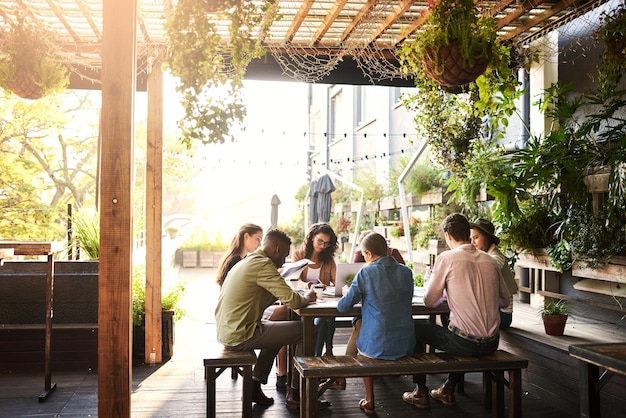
{"x": 319, "y": 291}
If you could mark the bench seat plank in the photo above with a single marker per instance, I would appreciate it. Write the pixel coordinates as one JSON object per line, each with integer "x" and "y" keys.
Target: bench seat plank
{"x": 360, "y": 366}
{"x": 493, "y": 367}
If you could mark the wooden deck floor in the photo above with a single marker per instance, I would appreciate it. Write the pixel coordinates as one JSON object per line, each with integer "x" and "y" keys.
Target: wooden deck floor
{"x": 177, "y": 389}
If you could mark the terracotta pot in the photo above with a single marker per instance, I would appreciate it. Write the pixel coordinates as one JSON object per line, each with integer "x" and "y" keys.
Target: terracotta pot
{"x": 554, "y": 324}
{"x": 445, "y": 65}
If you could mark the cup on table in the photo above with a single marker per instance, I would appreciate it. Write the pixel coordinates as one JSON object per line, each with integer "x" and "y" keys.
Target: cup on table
{"x": 319, "y": 291}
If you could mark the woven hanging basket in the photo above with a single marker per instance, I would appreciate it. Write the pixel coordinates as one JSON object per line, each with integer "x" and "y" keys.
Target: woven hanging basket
{"x": 24, "y": 86}
{"x": 617, "y": 48}
{"x": 445, "y": 65}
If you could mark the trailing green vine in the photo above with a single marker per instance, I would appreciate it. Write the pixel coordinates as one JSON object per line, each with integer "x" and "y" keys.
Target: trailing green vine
{"x": 210, "y": 68}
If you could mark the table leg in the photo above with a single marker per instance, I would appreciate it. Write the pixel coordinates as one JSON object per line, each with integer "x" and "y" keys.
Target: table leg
{"x": 246, "y": 399}
{"x": 308, "y": 397}
{"x": 515, "y": 393}
{"x": 211, "y": 375}
{"x": 487, "y": 390}
{"x": 497, "y": 387}
{"x": 308, "y": 336}
{"x": 589, "y": 375}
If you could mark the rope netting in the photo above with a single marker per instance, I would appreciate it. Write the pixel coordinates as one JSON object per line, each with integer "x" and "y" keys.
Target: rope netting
{"x": 575, "y": 41}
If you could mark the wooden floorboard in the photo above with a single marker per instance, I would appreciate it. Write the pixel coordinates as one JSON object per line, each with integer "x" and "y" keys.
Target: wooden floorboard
{"x": 177, "y": 388}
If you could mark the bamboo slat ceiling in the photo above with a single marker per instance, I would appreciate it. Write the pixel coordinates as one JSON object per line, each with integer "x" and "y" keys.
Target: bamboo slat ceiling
{"x": 308, "y": 28}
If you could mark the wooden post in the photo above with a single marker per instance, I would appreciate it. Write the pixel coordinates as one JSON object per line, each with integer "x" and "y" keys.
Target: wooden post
{"x": 154, "y": 198}
{"x": 48, "y": 385}
{"x": 116, "y": 205}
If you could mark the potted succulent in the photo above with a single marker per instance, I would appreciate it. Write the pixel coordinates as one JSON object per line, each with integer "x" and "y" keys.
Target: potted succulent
{"x": 456, "y": 43}
{"x": 29, "y": 67}
{"x": 554, "y": 315}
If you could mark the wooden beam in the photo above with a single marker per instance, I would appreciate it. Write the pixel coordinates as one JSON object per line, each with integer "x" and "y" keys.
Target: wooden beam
{"x": 29, "y": 248}
{"x": 412, "y": 28}
{"x": 116, "y": 204}
{"x": 59, "y": 14}
{"x": 154, "y": 211}
{"x": 401, "y": 9}
{"x": 358, "y": 18}
{"x": 303, "y": 12}
{"x": 328, "y": 21}
{"x": 537, "y": 20}
{"x": 89, "y": 18}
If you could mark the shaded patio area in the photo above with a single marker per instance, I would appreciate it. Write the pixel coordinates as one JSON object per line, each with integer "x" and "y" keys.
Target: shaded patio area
{"x": 177, "y": 389}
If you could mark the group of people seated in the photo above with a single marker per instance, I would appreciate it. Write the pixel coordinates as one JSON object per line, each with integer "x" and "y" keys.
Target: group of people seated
{"x": 470, "y": 277}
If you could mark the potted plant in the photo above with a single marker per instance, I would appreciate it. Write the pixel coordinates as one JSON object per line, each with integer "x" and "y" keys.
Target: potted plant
{"x": 456, "y": 43}
{"x": 171, "y": 311}
{"x": 343, "y": 225}
{"x": 554, "y": 315}
{"x": 171, "y": 232}
{"x": 29, "y": 67}
{"x": 611, "y": 36}
{"x": 85, "y": 234}
{"x": 613, "y": 31}
{"x": 210, "y": 68}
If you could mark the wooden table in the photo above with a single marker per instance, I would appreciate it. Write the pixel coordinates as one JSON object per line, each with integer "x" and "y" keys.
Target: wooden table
{"x": 611, "y": 357}
{"x": 327, "y": 307}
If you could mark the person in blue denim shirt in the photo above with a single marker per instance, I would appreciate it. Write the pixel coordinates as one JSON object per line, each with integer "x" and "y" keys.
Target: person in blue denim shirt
{"x": 385, "y": 289}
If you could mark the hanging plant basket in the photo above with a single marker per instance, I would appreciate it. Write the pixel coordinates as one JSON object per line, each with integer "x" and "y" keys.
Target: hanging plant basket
{"x": 29, "y": 67}
{"x": 445, "y": 65}
{"x": 611, "y": 35}
{"x": 23, "y": 85}
{"x": 617, "y": 49}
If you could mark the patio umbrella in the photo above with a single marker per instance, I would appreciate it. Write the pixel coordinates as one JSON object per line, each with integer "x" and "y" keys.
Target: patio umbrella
{"x": 313, "y": 201}
{"x": 325, "y": 187}
{"x": 274, "y": 215}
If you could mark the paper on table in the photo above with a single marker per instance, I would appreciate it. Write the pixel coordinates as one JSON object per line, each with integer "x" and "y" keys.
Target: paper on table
{"x": 292, "y": 270}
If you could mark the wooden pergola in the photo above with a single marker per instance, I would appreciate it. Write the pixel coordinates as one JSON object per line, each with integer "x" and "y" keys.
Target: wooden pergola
{"x": 118, "y": 46}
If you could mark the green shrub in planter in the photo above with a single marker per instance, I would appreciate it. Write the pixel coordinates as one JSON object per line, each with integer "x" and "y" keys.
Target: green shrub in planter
{"x": 170, "y": 298}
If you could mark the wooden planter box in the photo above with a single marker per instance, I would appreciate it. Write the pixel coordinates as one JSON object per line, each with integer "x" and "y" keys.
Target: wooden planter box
{"x": 383, "y": 230}
{"x": 356, "y": 207}
{"x": 429, "y": 198}
{"x": 436, "y": 247}
{"x": 537, "y": 258}
{"x": 190, "y": 258}
{"x": 598, "y": 180}
{"x": 340, "y": 208}
{"x": 167, "y": 344}
{"x": 398, "y": 243}
{"x": 387, "y": 204}
{"x": 209, "y": 258}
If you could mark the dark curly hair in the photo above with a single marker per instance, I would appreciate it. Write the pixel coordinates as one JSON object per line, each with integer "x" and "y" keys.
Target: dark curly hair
{"x": 327, "y": 253}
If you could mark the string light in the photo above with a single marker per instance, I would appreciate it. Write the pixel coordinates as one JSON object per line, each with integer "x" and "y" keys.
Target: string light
{"x": 365, "y": 157}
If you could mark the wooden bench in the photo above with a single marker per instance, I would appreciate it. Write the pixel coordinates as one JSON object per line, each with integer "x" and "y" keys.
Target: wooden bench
{"x": 493, "y": 367}
{"x": 220, "y": 359}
